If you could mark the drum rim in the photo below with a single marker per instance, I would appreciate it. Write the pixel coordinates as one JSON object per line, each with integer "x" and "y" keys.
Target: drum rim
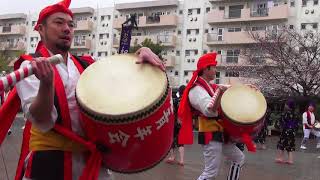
{"x": 129, "y": 117}
{"x": 246, "y": 123}
{"x": 243, "y": 123}
{"x": 142, "y": 169}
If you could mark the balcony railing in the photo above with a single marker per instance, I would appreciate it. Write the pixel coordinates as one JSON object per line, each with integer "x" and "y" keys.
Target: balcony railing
{"x": 153, "y": 19}
{"x": 236, "y": 13}
{"x": 216, "y": 16}
{"x": 6, "y": 29}
{"x": 260, "y": 12}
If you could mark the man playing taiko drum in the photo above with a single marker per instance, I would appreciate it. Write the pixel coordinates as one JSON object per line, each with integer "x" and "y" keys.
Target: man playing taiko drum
{"x": 197, "y": 98}
{"x": 48, "y": 100}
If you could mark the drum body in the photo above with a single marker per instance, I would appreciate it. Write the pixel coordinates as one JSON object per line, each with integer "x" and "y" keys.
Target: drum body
{"x": 127, "y": 108}
{"x": 243, "y": 110}
{"x": 317, "y": 126}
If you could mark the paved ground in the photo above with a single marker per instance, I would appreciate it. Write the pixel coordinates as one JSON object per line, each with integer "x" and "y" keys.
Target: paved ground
{"x": 258, "y": 166}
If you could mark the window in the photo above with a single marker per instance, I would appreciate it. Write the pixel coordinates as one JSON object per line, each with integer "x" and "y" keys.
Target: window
{"x": 187, "y": 52}
{"x": 232, "y": 74}
{"x": 176, "y": 73}
{"x": 99, "y": 54}
{"x": 179, "y": 31}
{"x": 218, "y": 51}
{"x": 221, "y": 8}
{"x": 186, "y": 73}
{"x": 206, "y": 31}
{"x": 34, "y": 23}
{"x": 177, "y": 53}
{"x": 188, "y": 31}
{"x": 258, "y": 28}
{"x": 189, "y": 11}
{"x": 304, "y": 2}
{"x": 303, "y": 26}
{"x": 232, "y": 56}
{"x": 234, "y": 29}
{"x": 315, "y": 2}
{"x": 198, "y": 11}
{"x": 292, "y": 3}
{"x": 291, "y": 27}
{"x": 181, "y": 12}
{"x": 205, "y": 51}
{"x": 115, "y": 16}
{"x": 102, "y": 18}
{"x": 207, "y": 9}
{"x": 100, "y": 36}
{"x": 197, "y": 31}
{"x": 315, "y": 25}
{"x": 196, "y": 52}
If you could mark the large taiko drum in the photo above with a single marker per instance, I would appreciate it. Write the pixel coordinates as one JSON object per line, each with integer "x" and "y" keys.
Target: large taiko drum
{"x": 243, "y": 110}
{"x": 127, "y": 108}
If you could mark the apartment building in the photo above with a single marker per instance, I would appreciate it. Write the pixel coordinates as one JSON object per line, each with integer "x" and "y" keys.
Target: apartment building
{"x": 228, "y": 23}
{"x": 13, "y": 32}
{"x": 187, "y": 29}
{"x": 159, "y": 21}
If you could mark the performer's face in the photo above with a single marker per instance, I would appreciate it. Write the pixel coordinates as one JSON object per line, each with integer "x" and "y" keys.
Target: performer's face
{"x": 210, "y": 72}
{"x": 311, "y": 108}
{"x": 58, "y": 31}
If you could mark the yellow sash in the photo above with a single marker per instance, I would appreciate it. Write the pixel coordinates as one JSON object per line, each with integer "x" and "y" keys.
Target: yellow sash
{"x": 209, "y": 125}
{"x": 51, "y": 140}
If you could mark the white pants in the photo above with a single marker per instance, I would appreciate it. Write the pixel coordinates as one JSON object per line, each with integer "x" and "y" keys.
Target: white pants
{"x": 307, "y": 132}
{"x": 213, "y": 155}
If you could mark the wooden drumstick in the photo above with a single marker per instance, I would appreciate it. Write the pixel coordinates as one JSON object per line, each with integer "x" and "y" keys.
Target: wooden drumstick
{"x": 214, "y": 98}
{"x": 11, "y": 79}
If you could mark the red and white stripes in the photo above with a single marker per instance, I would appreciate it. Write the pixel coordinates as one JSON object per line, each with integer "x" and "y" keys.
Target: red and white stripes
{"x": 214, "y": 98}
{"x": 11, "y": 79}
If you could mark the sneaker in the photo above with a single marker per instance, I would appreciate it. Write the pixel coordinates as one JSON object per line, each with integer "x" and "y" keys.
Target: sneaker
{"x": 303, "y": 147}
{"x": 318, "y": 146}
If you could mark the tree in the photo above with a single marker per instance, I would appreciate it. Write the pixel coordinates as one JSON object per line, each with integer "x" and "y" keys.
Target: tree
{"x": 155, "y": 48}
{"x": 283, "y": 62}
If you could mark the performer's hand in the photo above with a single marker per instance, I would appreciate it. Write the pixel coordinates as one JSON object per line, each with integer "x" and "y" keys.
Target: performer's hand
{"x": 224, "y": 87}
{"x": 43, "y": 70}
{"x": 146, "y": 55}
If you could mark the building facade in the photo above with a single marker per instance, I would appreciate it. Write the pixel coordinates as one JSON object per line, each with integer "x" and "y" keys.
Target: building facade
{"x": 187, "y": 29}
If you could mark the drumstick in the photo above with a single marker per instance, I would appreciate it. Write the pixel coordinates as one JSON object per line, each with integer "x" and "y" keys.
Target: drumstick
{"x": 11, "y": 79}
{"x": 214, "y": 98}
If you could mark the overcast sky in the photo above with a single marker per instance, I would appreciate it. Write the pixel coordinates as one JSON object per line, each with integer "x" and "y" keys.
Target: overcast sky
{"x": 26, "y": 6}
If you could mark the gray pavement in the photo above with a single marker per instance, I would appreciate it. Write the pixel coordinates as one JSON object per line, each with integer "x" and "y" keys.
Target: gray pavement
{"x": 259, "y": 166}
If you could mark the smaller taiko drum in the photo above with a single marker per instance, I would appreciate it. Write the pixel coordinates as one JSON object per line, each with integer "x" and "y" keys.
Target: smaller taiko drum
{"x": 243, "y": 110}
{"x": 127, "y": 108}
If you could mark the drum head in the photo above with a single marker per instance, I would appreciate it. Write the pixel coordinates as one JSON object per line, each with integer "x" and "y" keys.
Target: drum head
{"x": 243, "y": 105}
{"x": 117, "y": 87}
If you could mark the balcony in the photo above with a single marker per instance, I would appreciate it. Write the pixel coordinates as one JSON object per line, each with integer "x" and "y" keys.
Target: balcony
{"x": 150, "y": 21}
{"x": 242, "y": 37}
{"x": 165, "y": 40}
{"x": 224, "y": 60}
{"x": 8, "y": 46}
{"x": 280, "y": 12}
{"x": 157, "y": 21}
{"x": 85, "y": 44}
{"x": 13, "y": 30}
{"x": 146, "y": 4}
{"x": 84, "y": 25}
{"x": 169, "y": 61}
